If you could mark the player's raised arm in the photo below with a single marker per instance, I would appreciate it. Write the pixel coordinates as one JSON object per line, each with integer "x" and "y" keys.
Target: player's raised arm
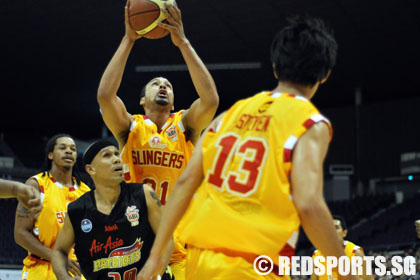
{"x": 114, "y": 112}
{"x": 63, "y": 245}
{"x": 203, "y": 109}
{"x": 307, "y": 190}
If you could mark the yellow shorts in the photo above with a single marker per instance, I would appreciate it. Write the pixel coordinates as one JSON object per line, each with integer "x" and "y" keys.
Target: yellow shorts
{"x": 41, "y": 270}
{"x": 178, "y": 269}
{"x": 177, "y": 261}
{"x": 207, "y": 264}
{"x": 180, "y": 253}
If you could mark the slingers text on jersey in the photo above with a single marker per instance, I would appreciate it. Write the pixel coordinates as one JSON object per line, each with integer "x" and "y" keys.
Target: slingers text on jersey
{"x": 152, "y": 157}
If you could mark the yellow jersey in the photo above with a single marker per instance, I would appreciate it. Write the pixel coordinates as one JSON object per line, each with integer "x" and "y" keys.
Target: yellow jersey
{"x": 244, "y": 203}
{"x": 349, "y": 249}
{"x": 156, "y": 158}
{"x": 54, "y": 197}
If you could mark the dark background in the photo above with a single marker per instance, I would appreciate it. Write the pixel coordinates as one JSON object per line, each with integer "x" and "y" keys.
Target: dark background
{"x": 53, "y": 54}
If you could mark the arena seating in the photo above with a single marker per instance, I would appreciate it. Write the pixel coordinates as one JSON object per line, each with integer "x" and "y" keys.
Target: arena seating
{"x": 375, "y": 222}
{"x": 394, "y": 226}
{"x": 360, "y": 207}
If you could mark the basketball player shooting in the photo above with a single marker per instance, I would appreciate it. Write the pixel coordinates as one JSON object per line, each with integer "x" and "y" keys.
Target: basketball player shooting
{"x": 156, "y": 147}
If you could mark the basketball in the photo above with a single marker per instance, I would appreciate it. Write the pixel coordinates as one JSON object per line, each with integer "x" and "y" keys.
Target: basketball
{"x": 144, "y": 16}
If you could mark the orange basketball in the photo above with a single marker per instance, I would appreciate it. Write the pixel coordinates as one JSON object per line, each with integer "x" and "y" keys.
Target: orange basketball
{"x": 144, "y": 16}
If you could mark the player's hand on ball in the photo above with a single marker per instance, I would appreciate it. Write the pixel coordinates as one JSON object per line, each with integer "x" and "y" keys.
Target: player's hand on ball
{"x": 174, "y": 25}
{"x": 129, "y": 31}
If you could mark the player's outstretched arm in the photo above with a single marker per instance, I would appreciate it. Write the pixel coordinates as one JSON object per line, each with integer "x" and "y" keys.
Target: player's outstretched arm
{"x": 154, "y": 208}
{"x": 23, "y": 231}
{"x": 114, "y": 112}
{"x": 64, "y": 243}
{"x": 181, "y": 195}
{"x": 307, "y": 190}
{"x": 203, "y": 109}
{"x": 27, "y": 195}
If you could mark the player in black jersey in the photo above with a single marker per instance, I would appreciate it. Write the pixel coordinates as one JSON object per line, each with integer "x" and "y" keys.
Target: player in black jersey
{"x": 112, "y": 227}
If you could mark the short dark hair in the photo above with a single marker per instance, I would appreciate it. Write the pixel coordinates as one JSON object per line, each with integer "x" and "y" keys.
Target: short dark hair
{"x": 304, "y": 51}
{"x": 342, "y": 221}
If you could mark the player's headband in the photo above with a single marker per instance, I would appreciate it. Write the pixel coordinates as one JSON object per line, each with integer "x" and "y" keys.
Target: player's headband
{"x": 94, "y": 149}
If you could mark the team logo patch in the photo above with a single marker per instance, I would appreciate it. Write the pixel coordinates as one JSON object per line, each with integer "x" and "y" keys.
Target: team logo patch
{"x": 172, "y": 133}
{"x": 132, "y": 214}
{"x": 86, "y": 225}
{"x": 120, "y": 257}
{"x": 124, "y": 251}
{"x": 155, "y": 142}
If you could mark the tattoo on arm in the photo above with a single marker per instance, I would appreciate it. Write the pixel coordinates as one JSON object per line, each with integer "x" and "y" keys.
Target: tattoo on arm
{"x": 22, "y": 212}
{"x": 155, "y": 197}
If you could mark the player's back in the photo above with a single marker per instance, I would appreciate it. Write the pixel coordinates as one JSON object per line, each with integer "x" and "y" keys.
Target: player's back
{"x": 245, "y": 197}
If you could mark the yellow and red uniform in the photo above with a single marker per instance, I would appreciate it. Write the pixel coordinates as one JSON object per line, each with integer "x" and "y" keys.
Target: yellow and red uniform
{"x": 55, "y": 197}
{"x": 244, "y": 207}
{"x": 350, "y": 250}
{"x": 157, "y": 157}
